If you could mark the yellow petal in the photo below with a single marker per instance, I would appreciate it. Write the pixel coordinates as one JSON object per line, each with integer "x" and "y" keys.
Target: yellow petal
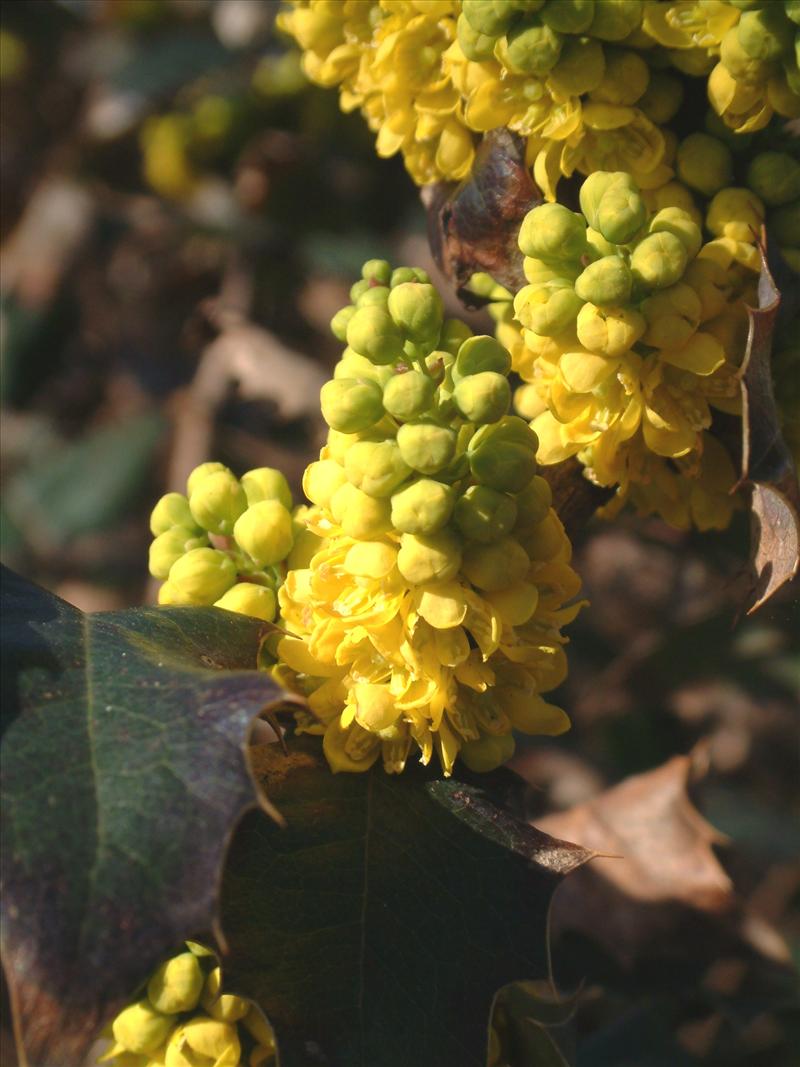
{"x": 442, "y": 605}
{"x": 702, "y": 354}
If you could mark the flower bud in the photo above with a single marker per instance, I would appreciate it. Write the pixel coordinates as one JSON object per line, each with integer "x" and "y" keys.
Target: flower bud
{"x": 483, "y": 397}
{"x": 417, "y": 310}
{"x": 534, "y": 502}
{"x": 678, "y": 222}
{"x": 357, "y": 290}
{"x": 361, "y": 516}
{"x": 177, "y": 984}
{"x": 454, "y": 333}
{"x": 423, "y": 508}
{"x": 376, "y": 467}
{"x": 377, "y": 271}
{"x": 429, "y": 557}
{"x": 615, "y": 19}
{"x": 503, "y": 455}
{"x": 372, "y": 334}
{"x": 352, "y": 365}
{"x": 711, "y": 284}
{"x": 490, "y": 17}
{"x": 170, "y": 546}
{"x": 736, "y": 213}
{"x": 552, "y": 231}
{"x": 203, "y": 1039}
{"x": 568, "y": 16}
{"x": 264, "y": 532}
{"x": 765, "y": 33}
{"x": 659, "y": 260}
{"x": 475, "y": 46}
{"x": 704, "y": 163}
{"x": 426, "y": 447}
{"x": 495, "y": 566}
{"x": 351, "y": 404}
{"x": 217, "y": 502}
{"x": 481, "y": 353}
{"x": 663, "y": 98}
{"x": 203, "y": 575}
{"x": 485, "y": 515}
{"x": 547, "y": 309}
{"x": 407, "y": 274}
{"x": 673, "y": 315}
{"x": 321, "y": 480}
{"x": 580, "y": 67}
{"x": 171, "y": 510}
{"x": 266, "y": 483}
{"x": 340, "y": 321}
{"x": 625, "y": 80}
{"x": 606, "y": 282}
{"x": 247, "y": 598}
{"x": 775, "y": 177}
{"x": 201, "y": 472}
{"x": 487, "y": 752}
{"x": 532, "y": 48}
{"x": 621, "y": 212}
{"x": 409, "y": 395}
{"x": 224, "y": 1007}
{"x": 141, "y": 1028}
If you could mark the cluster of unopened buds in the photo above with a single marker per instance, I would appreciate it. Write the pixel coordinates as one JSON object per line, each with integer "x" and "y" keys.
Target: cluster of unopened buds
{"x": 184, "y": 1019}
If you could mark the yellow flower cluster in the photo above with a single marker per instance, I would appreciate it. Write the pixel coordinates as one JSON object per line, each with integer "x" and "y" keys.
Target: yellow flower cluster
{"x": 631, "y": 334}
{"x": 586, "y": 83}
{"x": 429, "y": 618}
{"x": 185, "y": 1020}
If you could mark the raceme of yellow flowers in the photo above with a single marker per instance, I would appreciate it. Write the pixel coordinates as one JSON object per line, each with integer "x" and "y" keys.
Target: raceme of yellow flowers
{"x": 184, "y": 1019}
{"x": 628, "y": 336}
{"x": 587, "y": 83}
{"x": 423, "y": 593}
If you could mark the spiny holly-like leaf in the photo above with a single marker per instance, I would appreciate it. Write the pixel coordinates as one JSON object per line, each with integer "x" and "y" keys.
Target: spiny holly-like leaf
{"x": 124, "y": 773}
{"x": 766, "y": 460}
{"x": 473, "y": 227}
{"x": 376, "y": 928}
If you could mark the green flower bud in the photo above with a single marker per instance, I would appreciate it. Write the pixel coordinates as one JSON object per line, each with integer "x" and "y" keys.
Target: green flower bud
{"x": 171, "y": 510}
{"x": 351, "y": 404}
{"x": 490, "y": 17}
{"x": 495, "y": 566}
{"x": 672, "y": 315}
{"x": 224, "y": 1007}
{"x": 552, "y": 231}
{"x": 580, "y": 67}
{"x": 454, "y": 333}
{"x": 765, "y": 33}
{"x": 482, "y": 514}
{"x": 351, "y": 365}
{"x": 609, "y": 331}
{"x": 625, "y": 80}
{"x": 475, "y": 46}
{"x": 372, "y": 334}
{"x": 264, "y": 532}
{"x": 377, "y": 270}
{"x": 429, "y": 558}
{"x": 170, "y": 546}
{"x": 568, "y": 16}
{"x": 621, "y": 213}
{"x": 202, "y": 472}
{"x": 534, "y": 502}
{"x": 217, "y": 502}
{"x": 606, "y": 282}
{"x": 202, "y": 1041}
{"x": 417, "y": 310}
{"x": 659, "y": 260}
{"x": 503, "y": 455}
{"x": 340, "y": 320}
{"x": 615, "y": 19}
{"x": 360, "y": 516}
{"x": 791, "y": 9}
{"x": 357, "y": 290}
{"x": 141, "y": 1028}
{"x": 407, "y": 274}
{"x": 375, "y": 296}
{"x": 321, "y": 479}
{"x": 426, "y": 447}
{"x": 406, "y": 396}
{"x": 267, "y": 483}
{"x": 423, "y": 508}
{"x": 247, "y": 598}
{"x": 676, "y": 221}
{"x": 598, "y": 244}
{"x": 704, "y": 163}
{"x": 481, "y": 353}
{"x": 532, "y": 48}
{"x": 663, "y": 98}
{"x": 376, "y": 467}
{"x": 547, "y": 309}
{"x": 487, "y": 753}
{"x": 775, "y": 177}
{"x": 203, "y": 575}
{"x": 177, "y": 984}
{"x": 483, "y": 397}
{"x": 743, "y": 67}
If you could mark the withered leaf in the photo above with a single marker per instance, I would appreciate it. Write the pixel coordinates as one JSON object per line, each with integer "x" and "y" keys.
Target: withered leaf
{"x": 124, "y": 773}
{"x": 767, "y": 463}
{"x": 377, "y": 927}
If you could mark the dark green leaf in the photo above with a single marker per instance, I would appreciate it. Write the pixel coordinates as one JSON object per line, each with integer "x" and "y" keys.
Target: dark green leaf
{"x": 124, "y": 772}
{"x": 377, "y": 927}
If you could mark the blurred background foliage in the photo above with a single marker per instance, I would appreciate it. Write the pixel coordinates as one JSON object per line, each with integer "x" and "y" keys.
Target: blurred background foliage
{"x": 181, "y": 216}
